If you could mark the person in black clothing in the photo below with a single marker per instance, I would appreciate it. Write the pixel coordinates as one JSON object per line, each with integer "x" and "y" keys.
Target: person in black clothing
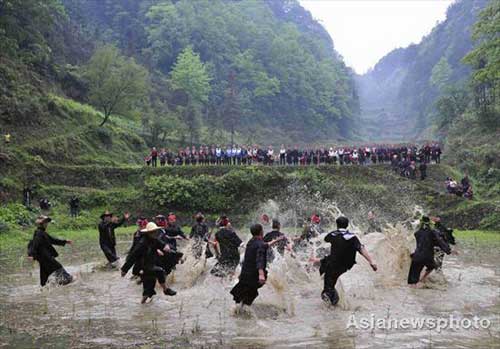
{"x": 226, "y": 244}
{"x": 74, "y": 205}
{"x": 169, "y": 236}
{"x": 447, "y": 235}
{"x": 107, "y": 239}
{"x": 141, "y": 224}
{"x": 465, "y": 183}
{"x": 147, "y": 251}
{"x": 427, "y": 239}
{"x": 253, "y": 271}
{"x": 27, "y": 196}
{"x": 423, "y": 170}
{"x": 273, "y": 235}
{"x": 41, "y": 250}
{"x": 44, "y": 204}
{"x": 199, "y": 233}
{"x": 344, "y": 246}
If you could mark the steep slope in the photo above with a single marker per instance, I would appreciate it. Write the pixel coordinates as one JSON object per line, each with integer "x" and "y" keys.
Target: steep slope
{"x": 398, "y": 96}
{"x": 278, "y": 64}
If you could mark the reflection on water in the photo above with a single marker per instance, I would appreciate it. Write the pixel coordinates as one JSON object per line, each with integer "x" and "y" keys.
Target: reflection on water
{"x": 102, "y": 309}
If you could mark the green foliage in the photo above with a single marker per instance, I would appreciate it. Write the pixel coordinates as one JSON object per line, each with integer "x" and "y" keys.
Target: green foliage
{"x": 288, "y": 77}
{"x": 451, "y": 105}
{"x": 117, "y": 84}
{"x": 25, "y": 26}
{"x": 190, "y": 75}
{"x": 13, "y": 215}
{"x": 441, "y": 73}
{"x": 485, "y": 61}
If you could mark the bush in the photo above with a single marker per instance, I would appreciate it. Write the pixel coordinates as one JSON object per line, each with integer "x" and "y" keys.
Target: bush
{"x": 16, "y": 214}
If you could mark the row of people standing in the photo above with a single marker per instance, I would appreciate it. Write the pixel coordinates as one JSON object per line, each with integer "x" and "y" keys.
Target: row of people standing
{"x": 248, "y": 155}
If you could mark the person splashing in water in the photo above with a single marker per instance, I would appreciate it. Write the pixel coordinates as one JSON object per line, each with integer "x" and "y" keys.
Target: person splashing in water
{"x": 427, "y": 239}
{"x": 147, "y": 251}
{"x": 342, "y": 258}
{"x": 253, "y": 271}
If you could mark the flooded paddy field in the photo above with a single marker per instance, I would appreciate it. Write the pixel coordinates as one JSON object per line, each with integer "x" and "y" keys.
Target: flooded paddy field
{"x": 102, "y": 309}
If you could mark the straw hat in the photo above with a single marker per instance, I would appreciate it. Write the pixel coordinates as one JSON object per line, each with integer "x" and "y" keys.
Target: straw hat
{"x": 42, "y": 219}
{"x": 106, "y": 214}
{"x": 150, "y": 227}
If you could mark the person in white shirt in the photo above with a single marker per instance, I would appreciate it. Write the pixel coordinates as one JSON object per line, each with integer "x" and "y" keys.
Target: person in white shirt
{"x": 283, "y": 155}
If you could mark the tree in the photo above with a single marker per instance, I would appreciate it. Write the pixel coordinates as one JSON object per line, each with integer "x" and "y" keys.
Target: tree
{"x": 116, "y": 83}
{"x": 485, "y": 62}
{"x": 451, "y": 105}
{"x": 440, "y": 75}
{"x": 190, "y": 76}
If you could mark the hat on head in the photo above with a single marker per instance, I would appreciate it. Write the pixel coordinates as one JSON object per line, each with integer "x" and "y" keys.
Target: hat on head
{"x": 150, "y": 227}
{"x": 42, "y": 219}
{"x": 106, "y": 214}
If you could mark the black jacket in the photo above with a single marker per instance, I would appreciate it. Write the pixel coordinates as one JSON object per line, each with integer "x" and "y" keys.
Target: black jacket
{"x": 228, "y": 244}
{"x": 168, "y": 234}
{"x": 255, "y": 259}
{"x": 199, "y": 231}
{"x": 40, "y": 248}
{"x": 107, "y": 232}
{"x": 426, "y": 240}
{"x": 344, "y": 246}
{"x": 145, "y": 251}
{"x": 272, "y": 235}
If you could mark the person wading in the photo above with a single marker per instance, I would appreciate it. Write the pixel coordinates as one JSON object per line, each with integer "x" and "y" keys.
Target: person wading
{"x": 253, "y": 271}
{"x": 41, "y": 249}
{"x": 199, "y": 233}
{"x": 426, "y": 239}
{"x": 226, "y": 244}
{"x": 342, "y": 258}
{"x": 147, "y": 251}
{"x": 107, "y": 239}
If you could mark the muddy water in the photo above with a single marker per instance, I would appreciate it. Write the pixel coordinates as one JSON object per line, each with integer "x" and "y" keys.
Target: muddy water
{"x": 101, "y": 309}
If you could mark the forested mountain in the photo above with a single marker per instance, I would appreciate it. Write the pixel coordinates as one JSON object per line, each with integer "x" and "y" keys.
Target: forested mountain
{"x": 398, "y": 96}
{"x": 196, "y": 71}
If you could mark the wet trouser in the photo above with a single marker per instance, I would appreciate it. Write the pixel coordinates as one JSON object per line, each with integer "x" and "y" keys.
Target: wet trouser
{"x": 198, "y": 248}
{"x": 330, "y": 280}
{"x": 149, "y": 281}
{"x": 245, "y": 293}
{"x": 49, "y": 266}
{"x": 109, "y": 252}
{"x": 438, "y": 257}
{"x": 170, "y": 260}
{"x": 136, "y": 270}
{"x": 416, "y": 268}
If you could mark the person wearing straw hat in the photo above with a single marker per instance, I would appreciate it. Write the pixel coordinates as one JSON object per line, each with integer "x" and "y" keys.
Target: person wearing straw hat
{"x": 41, "y": 249}
{"x": 107, "y": 239}
{"x": 147, "y": 251}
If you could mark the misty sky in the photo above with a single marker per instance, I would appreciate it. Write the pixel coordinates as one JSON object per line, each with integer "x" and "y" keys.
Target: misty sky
{"x": 363, "y": 31}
